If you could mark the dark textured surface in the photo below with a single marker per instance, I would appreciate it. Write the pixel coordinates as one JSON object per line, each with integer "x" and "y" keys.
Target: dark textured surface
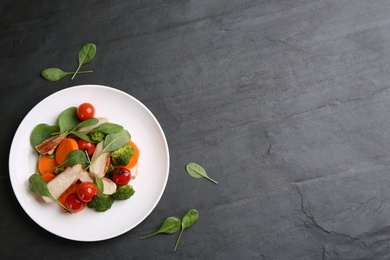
{"x": 285, "y": 103}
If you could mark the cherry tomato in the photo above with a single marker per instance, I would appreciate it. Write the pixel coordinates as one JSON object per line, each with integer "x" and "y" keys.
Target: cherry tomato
{"x": 85, "y": 145}
{"x": 121, "y": 176}
{"x": 74, "y": 203}
{"x": 85, "y": 111}
{"x": 86, "y": 191}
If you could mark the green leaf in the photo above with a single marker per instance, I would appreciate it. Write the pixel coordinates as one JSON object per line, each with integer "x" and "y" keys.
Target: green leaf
{"x": 109, "y": 128}
{"x": 197, "y": 171}
{"x": 37, "y": 184}
{"x": 116, "y": 141}
{"x": 76, "y": 157}
{"x": 99, "y": 184}
{"x": 68, "y": 119}
{"x": 169, "y": 226}
{"x": 42, "y": 132}
{"x": 187, "y": 221}
{"x": 88, "y": 122}
{"x": 86, "y": 54}
{"x": 82, "y": 136}
{"x": 55, "y": 74}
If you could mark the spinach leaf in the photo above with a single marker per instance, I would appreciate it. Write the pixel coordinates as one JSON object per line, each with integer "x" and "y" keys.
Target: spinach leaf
{"x": 169, "y": 226}
{"x": 109, "y": 128}
{"x": 41, "y": 132}
{"x": 88, "y": 122}
{"x": 116, "y": 141}
{"x": 82, "y": 136}
{"x": 37, "y": 184}
{"x": 76, "y": 157}
{"x": 68, "y": 119}
{"x": 99, "y": 184}
{"x": 86, "y": 54}
{"x": 187, "y": 221}
{"x": 197, "y": 171}
{"x": 55, "y": 74}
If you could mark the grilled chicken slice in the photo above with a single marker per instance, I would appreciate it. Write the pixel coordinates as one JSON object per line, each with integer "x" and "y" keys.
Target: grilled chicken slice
{"x": 84, "y": 177}
{"x": 49, "y": 145}
{"x": 100, "y": 161}
{"x": 109, "y": 187}
{"x": 134, "y": 171}
{"x": 63, "y": 181}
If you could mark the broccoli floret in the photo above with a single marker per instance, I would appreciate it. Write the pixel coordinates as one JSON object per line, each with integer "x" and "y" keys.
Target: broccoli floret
{"x": 109, "y": 171}
{"x": 124, "y": 192}
{"x": 96, "y": 136}
{"x": 122, "y": 155}
{"x": 101, "y": 202}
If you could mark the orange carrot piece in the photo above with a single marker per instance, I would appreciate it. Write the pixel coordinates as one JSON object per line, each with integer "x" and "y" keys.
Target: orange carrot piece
{"x": 48, "y": 176}
{"x": 66, "y": 146}
{"x": 47, "y": 164}
{"x": 134, "y": 159}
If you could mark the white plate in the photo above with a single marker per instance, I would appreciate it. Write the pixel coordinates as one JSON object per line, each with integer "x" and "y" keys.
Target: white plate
{"x": 89, "y": 225}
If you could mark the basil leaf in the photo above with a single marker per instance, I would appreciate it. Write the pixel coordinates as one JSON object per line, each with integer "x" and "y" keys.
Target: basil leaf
{"x": 86, "y": 54}
{"x": 42, "y": 132}
{"x": 169, "y": 226}
{"x": 109, "y": 128}
{"x": 68, "y": 119}
{"x": 116, "y": 141}
{"x": 197, "y": 171}
{"x": 187, "y": 221}
{"x": 76, "y": 157}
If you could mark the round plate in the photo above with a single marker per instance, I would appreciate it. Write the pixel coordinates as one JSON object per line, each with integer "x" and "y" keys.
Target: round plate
{"x": 149, "y": 185}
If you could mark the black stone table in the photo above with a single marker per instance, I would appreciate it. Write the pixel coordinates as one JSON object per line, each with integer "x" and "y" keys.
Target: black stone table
{"x": 285, "y": 103}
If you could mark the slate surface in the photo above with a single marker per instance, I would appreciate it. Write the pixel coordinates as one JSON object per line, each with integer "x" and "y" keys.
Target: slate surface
{"x": 285, "y": 103}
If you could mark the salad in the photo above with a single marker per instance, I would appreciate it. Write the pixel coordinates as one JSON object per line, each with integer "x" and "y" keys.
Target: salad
{"x": 83, "y": 161}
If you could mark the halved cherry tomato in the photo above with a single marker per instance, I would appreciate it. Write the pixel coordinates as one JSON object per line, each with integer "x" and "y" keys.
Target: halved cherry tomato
{"x": 85, "y": 111}
{"x": 86, "y": 191}
{"x": 85, "y": 145}
{"x": 121, "y": 176}
{"x": 74, "y": 203}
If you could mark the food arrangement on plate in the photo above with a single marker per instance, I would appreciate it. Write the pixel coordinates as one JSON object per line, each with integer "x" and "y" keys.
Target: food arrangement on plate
{"x": 83, "y": 161}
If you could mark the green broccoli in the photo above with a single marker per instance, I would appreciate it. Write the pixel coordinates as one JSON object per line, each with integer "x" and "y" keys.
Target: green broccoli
{"x": 123, "y": 192}
{"x": 101, "y": 202}
{"x": 109, "y": 171}
{"x": 97, "y": 136}
{"x": 122, "y": 155}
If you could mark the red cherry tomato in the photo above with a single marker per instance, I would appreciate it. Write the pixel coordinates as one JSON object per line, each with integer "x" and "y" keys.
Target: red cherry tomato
{"x": 86, "y": 191}
{"x": 74, "y": 203}
{"x": 85, "y": 145}
{"x": 121, "y": 176}
{"x": 85, "y": 111}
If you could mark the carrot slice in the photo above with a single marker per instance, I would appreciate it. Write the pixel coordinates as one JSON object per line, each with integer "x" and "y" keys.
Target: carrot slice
{"x": 48, "y": 176}
{"x": 66, "y": 146}
{"x": 134, "y": 159}
{"x": 47, "y": 164}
